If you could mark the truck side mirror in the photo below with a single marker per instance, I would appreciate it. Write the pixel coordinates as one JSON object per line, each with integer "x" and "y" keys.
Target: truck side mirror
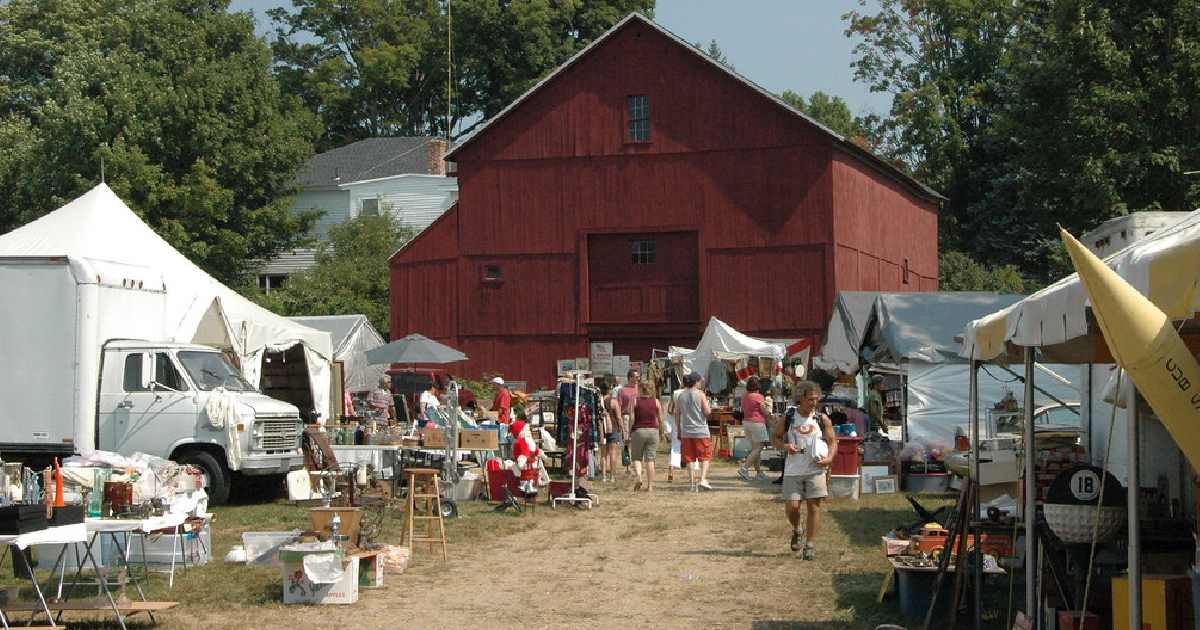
{"x": 147, "y": 377}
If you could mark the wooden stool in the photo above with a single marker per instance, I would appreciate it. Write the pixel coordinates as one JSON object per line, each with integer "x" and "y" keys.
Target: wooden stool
{"x": 424, "y": 484}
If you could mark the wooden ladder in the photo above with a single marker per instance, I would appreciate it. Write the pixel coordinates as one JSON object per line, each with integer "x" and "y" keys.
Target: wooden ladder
{"x": 424, "y": 484}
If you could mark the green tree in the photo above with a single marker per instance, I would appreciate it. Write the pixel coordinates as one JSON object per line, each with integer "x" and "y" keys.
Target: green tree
{"x": 378, "y": 67}
{"x": 1027, "y": 114}
{"x": 831, "y": 111}
{"x": 351, "y": 275}
{"x": 714, "y": 50}
{"x": 958, "y": 272}
{"x": 176, "y": 99}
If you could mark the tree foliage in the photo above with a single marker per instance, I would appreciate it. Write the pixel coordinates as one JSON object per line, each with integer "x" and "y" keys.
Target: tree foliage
{"x": 1028, "y": 113}
{"x": 378, "y": 67}
{"x": 958, "y": 272}
{"x": 175, "y": 98}
{"x": 351, "y": 274}
{"x": 831, "y": 111}
{"x": 714, "y": 50}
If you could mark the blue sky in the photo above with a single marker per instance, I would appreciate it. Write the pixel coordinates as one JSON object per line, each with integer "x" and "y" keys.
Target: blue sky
{"x": 780, "y": 44}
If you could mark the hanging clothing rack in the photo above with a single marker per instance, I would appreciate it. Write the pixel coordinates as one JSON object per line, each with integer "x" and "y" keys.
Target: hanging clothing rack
{"x": 571, "y": 497}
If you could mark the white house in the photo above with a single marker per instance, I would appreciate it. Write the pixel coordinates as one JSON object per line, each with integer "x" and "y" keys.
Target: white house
{"x": 403, "y": 176}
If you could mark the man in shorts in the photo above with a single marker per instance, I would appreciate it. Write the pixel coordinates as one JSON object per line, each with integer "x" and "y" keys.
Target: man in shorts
{"x": 692, "y": 410}
{"x": 810, "y": 445}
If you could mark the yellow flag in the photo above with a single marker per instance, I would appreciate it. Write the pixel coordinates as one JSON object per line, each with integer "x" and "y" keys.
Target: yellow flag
{"x": 1143, "y": 340}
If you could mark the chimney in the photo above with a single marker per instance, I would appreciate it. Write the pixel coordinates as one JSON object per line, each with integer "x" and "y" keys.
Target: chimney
{"x": 435, "y": 156}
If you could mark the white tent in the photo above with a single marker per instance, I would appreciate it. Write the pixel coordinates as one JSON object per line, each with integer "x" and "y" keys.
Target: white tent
{"x": 913, "y": 335}
{"x": 353, "y": 336}
{"x": 98, "y": 225}
{"x": 722, "y": 341}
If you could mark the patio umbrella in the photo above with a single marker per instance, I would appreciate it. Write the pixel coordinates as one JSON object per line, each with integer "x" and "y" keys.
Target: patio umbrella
{"x": 414, "y": 348}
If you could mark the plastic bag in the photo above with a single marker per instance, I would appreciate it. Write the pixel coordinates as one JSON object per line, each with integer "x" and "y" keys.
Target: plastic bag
{"x": 626, "y": 459}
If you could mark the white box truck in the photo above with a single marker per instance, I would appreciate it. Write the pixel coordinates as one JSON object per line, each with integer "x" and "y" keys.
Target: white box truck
{"x": 82, "y": 370}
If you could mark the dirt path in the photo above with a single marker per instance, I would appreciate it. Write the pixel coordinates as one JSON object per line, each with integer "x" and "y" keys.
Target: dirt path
{"x": 674, "y": 559}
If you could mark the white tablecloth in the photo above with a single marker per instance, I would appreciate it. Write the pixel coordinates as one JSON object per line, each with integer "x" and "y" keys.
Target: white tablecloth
{"x": 60, "y": 535}
{"x": 134, "y": 525}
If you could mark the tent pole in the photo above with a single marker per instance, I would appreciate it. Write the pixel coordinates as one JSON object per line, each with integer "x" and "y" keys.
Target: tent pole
{"x": 976, "y": 446}
{"x": 1134, "y": 526}
{"x": 1030, "y": 512}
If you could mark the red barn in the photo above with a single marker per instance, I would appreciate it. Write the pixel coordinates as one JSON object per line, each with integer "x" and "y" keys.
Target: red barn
{"x": 637, "y": 190}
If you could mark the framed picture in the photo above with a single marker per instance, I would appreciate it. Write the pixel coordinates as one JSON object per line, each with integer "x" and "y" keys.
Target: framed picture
{"x": 887, "y": 484}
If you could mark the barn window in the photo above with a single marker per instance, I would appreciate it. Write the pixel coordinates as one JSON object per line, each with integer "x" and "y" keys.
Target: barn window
{"x": 639, "y": 118}
{"x": 643, "y": 251}
{"x": 491, "y": 273}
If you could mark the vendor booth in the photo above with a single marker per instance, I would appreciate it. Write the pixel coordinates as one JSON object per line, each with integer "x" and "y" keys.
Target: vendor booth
{"x": 911, "y": 338}
{"x": 353, "y": 336}
{"x": 98, "y": 225}
{"x": 844, "y": 333}
{"x": 1128, "y": 442}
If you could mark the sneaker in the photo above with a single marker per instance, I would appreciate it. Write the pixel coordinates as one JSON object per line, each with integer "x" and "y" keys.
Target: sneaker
{"x": 761, "y": 476}
{"x": 744, "y": 474}
{"x": 704, "y": 484}
{"x": 810, "y": 553}
{"x": 795, "y": 540}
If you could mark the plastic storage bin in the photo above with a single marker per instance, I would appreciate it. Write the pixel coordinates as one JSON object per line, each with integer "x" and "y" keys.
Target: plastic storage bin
{"x": 262, "y": 548}
{"x": 927, "y": 482}
{"x": 844, "y": 486}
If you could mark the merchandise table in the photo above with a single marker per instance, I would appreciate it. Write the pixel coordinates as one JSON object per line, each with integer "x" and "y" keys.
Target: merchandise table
{"x": 95, "y": 529}
{"x": 60, "y": 535}
{"x": 382, "y": 457}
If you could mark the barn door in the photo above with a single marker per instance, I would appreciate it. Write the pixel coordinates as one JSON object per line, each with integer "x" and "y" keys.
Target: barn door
{"x": 643, "y": 277}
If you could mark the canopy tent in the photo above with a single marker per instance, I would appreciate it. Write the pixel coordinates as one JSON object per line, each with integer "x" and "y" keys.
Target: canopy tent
{"x": 353, "y": 336}
{"x": 845, "y": 330}
{"x": 721, "y": 341}
{"x": 98, "y": 225}
{"x": 914, "y": 335}
{"x": 1164, "y": 267}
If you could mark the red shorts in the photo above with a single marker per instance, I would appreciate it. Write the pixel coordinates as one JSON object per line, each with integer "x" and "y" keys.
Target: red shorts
{"x": 696, "y": 450}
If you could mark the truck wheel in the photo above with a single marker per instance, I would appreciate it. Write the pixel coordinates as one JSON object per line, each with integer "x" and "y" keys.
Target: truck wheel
{"x": 216, "y": 477}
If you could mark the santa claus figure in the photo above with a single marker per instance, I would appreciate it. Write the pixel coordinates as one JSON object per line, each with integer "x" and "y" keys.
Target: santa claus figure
{"x": 526, "y": 457}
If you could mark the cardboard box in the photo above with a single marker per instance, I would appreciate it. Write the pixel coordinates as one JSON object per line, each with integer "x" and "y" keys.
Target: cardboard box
{"x": 478, "y": 440}
{"x": 298, "y": 589}
{"x": 370, "y": 568}
{"x": 434, "y": 438}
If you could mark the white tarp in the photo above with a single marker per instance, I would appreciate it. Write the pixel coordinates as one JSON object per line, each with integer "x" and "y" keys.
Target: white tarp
{"x": 98, "y": 225}
{"x": 721, "y": 341}
{"x": 938, "y": 395}
{"x": 353, "y": 336}
{"x": 1164, "y": 267}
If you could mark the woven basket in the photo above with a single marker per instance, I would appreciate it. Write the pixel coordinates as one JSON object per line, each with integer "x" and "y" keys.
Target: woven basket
{"x": 1073, "y": 523}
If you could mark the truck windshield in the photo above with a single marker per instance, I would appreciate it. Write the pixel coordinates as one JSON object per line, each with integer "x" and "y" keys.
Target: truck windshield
{"x": 211, "y": 370}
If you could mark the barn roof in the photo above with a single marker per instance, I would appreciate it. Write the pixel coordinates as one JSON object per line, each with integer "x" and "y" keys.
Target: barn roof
{"x": 839, "y": 140}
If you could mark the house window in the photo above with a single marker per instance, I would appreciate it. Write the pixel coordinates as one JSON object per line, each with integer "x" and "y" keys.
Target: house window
{"x": 370, "y": 207}
{"x": 643, "y": 251}
{"x": 639, "y": 118}
{"x": 492, "y": 273}
{"x": 270, "y": 282}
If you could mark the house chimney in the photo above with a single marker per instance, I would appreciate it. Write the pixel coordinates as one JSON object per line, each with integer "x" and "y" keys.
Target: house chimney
{"x": 435, "y": 156}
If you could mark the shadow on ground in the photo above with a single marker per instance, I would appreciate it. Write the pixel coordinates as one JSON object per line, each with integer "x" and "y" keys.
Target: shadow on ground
{"x": 864, "y": 527}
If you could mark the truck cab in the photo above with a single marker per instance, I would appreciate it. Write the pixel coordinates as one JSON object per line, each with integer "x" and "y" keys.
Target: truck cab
{"x": 153, "y": 399}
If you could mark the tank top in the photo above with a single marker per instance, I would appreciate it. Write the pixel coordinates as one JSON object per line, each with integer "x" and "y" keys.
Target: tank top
{"x": 805, "y": 433}
{"x": 645, "y": 413}
{"x": 692, "y": 421}
{"x": 752, "y": 408}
